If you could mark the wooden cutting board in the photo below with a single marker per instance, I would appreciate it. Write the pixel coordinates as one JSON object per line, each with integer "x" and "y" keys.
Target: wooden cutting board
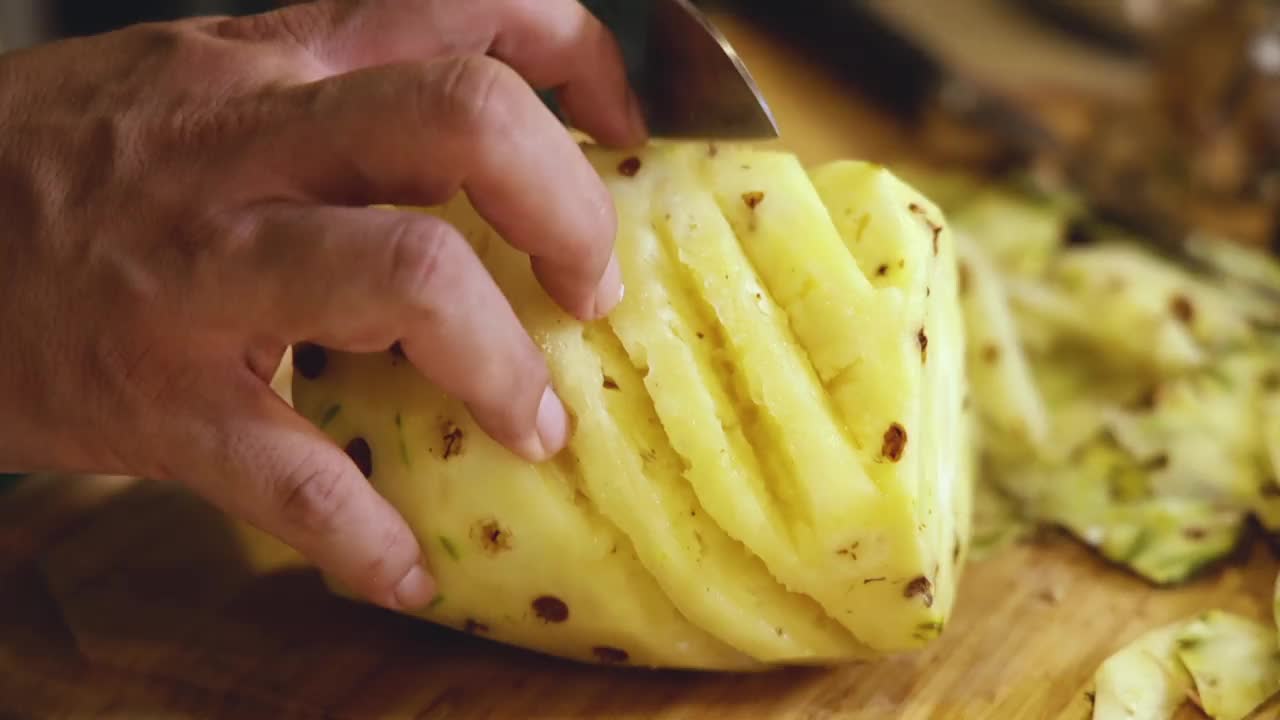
{"x": 123, "y": 598}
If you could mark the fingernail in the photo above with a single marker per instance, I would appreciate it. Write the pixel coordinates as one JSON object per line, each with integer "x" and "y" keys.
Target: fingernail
{"x": 415, "y": 589}
{"x": 638, "y": 126}
{"x": 553, "y": 423}
{"x": 609, "y": 292}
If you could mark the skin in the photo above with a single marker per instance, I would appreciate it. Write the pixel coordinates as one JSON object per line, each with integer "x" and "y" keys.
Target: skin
{"x": 181, "y": 202}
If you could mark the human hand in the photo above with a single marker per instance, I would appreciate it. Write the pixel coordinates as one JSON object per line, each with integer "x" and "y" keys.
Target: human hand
{"x": 181, "y": 202}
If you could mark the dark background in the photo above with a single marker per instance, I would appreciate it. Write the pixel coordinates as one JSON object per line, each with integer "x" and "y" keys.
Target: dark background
{"x": 85, "y": 17}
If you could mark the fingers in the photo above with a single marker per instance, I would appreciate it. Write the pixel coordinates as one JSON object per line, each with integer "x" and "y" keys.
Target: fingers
{"x": 264, "y": 463}
{"x": 551, "y": 43}
{"x": 415, "y": 134}
{"x": 359, "y": 279}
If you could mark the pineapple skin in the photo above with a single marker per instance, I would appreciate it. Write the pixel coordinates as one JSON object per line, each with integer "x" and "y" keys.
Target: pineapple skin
{"x": 770, "y": 462}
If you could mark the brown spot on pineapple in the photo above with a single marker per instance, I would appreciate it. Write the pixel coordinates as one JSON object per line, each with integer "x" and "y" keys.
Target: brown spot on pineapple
{"x": 962, "y": 278}
{"x": 923, "y": 339}
{"x": 1182, "y": 309}
{"x": 868, "y": 581}
{"x": 895, "y": 442}
{"x": 700, "y": 335}
{"x": 1077, "y": 232}
{"x": 610, "y": 655}
{"x": 712, "y": 150}
{"x": 471, "y": 627}
{"x": 361, "y": 454}
{"x": 955, "y": 551}
{"x": 451, "y": 436}
{"x": 1091, "y": 697}
{"x": 1159, "y": 461}
{"x": 550, "y": 609}
{"x": 902, "y": 263}
{"x": 490, "y": 536}
{"x": 629, "y": 167}
{"x": 1270, "y": 381}
{"x": 882, "y": 270}
{"x": 1270, "y": 488}
{"x": 1194, "y": 533}
{"x": 1148, "y": 400}
{"x": 991, "y": 354}
{"x": 920, "y": 587}
{"x": 309, "y": 360}
{"x": 934, "y": 227}
{"x": 610, "y": 383}
{"x": 851, "y": 551}
{"x": 753, "y": 198}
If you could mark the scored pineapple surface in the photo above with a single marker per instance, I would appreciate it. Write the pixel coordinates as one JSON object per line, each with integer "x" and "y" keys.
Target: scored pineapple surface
{"x": 770, "y": 461}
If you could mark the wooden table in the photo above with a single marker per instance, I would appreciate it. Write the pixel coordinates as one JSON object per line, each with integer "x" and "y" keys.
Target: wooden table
{"x": 120, "y": 598}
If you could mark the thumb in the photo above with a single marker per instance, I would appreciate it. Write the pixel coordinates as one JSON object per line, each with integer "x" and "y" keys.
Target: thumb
{"x": 272, "y": 468}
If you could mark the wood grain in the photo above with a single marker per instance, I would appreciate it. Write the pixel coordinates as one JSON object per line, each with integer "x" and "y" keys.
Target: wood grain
{"x": 122, "y": 598}
{"x": 155, "y": 605}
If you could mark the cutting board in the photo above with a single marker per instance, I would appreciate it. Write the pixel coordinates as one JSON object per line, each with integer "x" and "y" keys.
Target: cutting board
{"x": 127, "y": 598}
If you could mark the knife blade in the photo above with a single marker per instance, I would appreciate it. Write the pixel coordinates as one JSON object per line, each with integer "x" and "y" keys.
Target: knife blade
{"x": 691, "y": 83}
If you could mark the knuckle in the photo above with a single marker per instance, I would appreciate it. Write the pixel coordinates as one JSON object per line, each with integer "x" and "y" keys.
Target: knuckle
{"x": 296, "y": 24}
{"x": 397, "y": 550}
{"x": 473, "y": 92}
{"x": 312, "y": 497}
{"x": 156, "y": 39}
{"x": 419, "y": 255}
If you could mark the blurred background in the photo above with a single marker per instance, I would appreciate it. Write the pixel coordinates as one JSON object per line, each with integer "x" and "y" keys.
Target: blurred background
{"x": 1163, "y": 114}
{"x": 24, "y": 22}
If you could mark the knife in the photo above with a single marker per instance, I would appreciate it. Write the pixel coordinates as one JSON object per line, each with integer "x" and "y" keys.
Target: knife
{"x": 691, "y": 83}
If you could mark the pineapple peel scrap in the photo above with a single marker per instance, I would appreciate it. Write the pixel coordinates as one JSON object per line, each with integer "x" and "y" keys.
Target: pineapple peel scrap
{"x": 1226, "y": 664}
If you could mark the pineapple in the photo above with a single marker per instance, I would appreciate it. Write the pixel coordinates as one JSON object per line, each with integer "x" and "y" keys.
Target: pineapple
{"x": 770, "y": 462}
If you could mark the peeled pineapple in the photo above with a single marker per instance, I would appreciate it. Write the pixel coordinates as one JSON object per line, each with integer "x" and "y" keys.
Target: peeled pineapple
{"x": 770, "y": 462}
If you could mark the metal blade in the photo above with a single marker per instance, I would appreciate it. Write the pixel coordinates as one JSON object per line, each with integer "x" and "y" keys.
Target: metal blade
{"x": 693, "y": 85}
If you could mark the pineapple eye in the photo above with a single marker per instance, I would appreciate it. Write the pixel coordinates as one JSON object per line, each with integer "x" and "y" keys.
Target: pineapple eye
{"x": 629, "y": 167}
{"x": 492, "y": 537}
{"x": 451, "y": 437}
{"x": 309, "y": 360}
{"x": 895, "y": 442}
{"x": 920, "y": 587}
{"x": 362, "y": 455}
{"x": 550, "y": 608}
{"x": 610, "y": 655}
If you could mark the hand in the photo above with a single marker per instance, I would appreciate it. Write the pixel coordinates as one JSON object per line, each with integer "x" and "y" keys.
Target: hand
{"x": 181, "y": 202}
